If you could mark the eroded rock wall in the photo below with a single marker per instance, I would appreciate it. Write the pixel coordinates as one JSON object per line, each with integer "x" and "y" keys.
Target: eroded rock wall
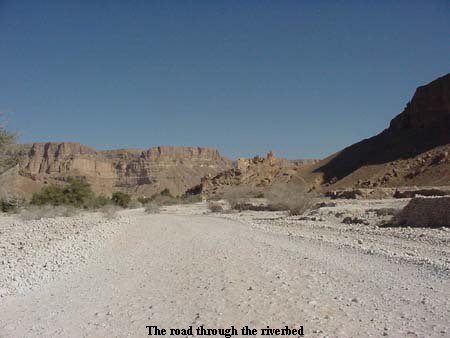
{"x": 139, "y": 172}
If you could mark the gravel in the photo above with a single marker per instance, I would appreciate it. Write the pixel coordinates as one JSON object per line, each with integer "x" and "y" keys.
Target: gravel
{"x": 187, "y": 266}
{"x": 419, "y": 245}
{"x": 33, "y": 252}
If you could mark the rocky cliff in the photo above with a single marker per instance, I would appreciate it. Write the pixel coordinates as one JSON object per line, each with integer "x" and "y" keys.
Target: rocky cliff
{"x": 256, "y": 175}
{"x": 139, "y": 172}
{"x": 413, "y": 150}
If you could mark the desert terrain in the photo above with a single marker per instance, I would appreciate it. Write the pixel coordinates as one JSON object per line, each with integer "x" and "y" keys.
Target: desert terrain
{"x": 108, "y": 243}
{"x": 94, "y": 276}
{"x": 219, "y": 169}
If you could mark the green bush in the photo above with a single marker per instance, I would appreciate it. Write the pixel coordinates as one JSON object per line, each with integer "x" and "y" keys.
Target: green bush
{"x": 6, "y": 138}
{"x": 189, "y": 199}
{"x": 75, "y": 193}
{"x": 121, "y": 199}
{"x": 99, "y": 202}
{"x": 165, "y": 197}
{"x": 9, "y": 205}
{"x": 144, "y": 200}
{"x": 52, "y": 194}
{"x": 78, "y": 193}
{"x": 166, "y": 192}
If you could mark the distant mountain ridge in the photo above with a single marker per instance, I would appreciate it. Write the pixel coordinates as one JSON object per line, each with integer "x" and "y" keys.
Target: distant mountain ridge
{"x": 135, "y": 171}
{"x": 140, "y": 172}
{"x": 413, "y": 151}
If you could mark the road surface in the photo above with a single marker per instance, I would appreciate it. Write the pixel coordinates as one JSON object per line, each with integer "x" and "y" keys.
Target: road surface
{"x": 177, "y": 271}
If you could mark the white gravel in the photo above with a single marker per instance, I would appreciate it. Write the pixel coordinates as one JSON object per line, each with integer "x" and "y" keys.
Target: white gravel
{"x": 33, "y": 252}
{"x": 188, "y": 267}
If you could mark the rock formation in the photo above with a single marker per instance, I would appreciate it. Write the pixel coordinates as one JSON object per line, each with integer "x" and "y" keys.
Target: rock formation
{"x": 139, "y": 172}
{"x": 256, "y": 175}
{"x": 412, "y": 151}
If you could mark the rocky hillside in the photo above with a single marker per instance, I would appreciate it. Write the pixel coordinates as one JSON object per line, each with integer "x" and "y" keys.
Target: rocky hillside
{"x": 139, "y": 172}
{"x": 256, "y": 174}
{"x": 414, "y": 150}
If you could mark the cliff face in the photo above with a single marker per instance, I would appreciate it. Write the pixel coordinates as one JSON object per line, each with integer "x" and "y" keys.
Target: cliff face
{"x": 139, "y": 172}
{"x": 429, "y": 107}
{"x": 412, "y": 151}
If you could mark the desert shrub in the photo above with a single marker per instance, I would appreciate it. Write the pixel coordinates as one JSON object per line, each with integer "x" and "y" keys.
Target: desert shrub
{"x": 76, "y": 193}
{"x": 190, "y": 199}
{"x": 9, "y": 205}
{"x": 34, "y": 212}
{"x": 354, "y": 220}
{"x": 258, "y": 207}
{"x": 424, "y": 212}
{"x": 164, "y": 200}
{"x": 152, "y": 208}
{"x": 98, "y": 202}
{"x": 52, "y": 195}
{"x": 6, "y": 138}
{"x": 135, "y": 204}
{"x": 109, "y": 211}
{"x": 238, "y": 196}
{"x": 121, "y": 199}
{"x": 292, "y": 197}
{"x": 325, "y": 205}
{"x": 383, "y": 211}
{"x": 144, "y": 200}
{"x": 165, "y": 197}
{"x": 166, "y": 192}
{"x": 214, "y": 207}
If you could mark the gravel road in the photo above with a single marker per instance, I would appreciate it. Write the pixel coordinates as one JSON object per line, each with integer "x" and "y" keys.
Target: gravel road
{"x": 175, "y": 271}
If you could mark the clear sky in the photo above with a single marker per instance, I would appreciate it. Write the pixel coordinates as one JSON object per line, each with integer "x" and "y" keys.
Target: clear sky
{"x": 301, "y": 78}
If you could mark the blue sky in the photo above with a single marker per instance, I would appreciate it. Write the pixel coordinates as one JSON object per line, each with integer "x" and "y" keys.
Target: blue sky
{"x": 301, "y": 78}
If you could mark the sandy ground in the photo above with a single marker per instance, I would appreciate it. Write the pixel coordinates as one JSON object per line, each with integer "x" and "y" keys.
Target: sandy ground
{"x": 186, "y": 267}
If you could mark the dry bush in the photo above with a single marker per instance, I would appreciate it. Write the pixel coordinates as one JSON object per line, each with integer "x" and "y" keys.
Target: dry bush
{"x": 164, "y": 200}
{"x": 214, "y": 207}
{"x": 135, "y": 204}
{"x": 292, "y": 197}
{"x": 152, "y": 208}
{"x": 121, "y": 199}
{"x": 190, "y": 199}
{"x": 238, "y": 196}
{"x": 33, "y": 212}
{"x": 110, "y": 211}
{"x": 383, "y": 211}
{"x": 424, "y": 212}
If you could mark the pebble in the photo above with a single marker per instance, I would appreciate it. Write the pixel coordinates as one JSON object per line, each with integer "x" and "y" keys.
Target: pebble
{"x": 41, "y": 249}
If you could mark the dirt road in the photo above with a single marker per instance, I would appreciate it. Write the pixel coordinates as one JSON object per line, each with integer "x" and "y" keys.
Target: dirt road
{"x": 176, "y": 271}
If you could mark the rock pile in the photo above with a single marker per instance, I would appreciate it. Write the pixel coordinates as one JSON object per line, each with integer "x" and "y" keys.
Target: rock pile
{"x": 425, "y": 212}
